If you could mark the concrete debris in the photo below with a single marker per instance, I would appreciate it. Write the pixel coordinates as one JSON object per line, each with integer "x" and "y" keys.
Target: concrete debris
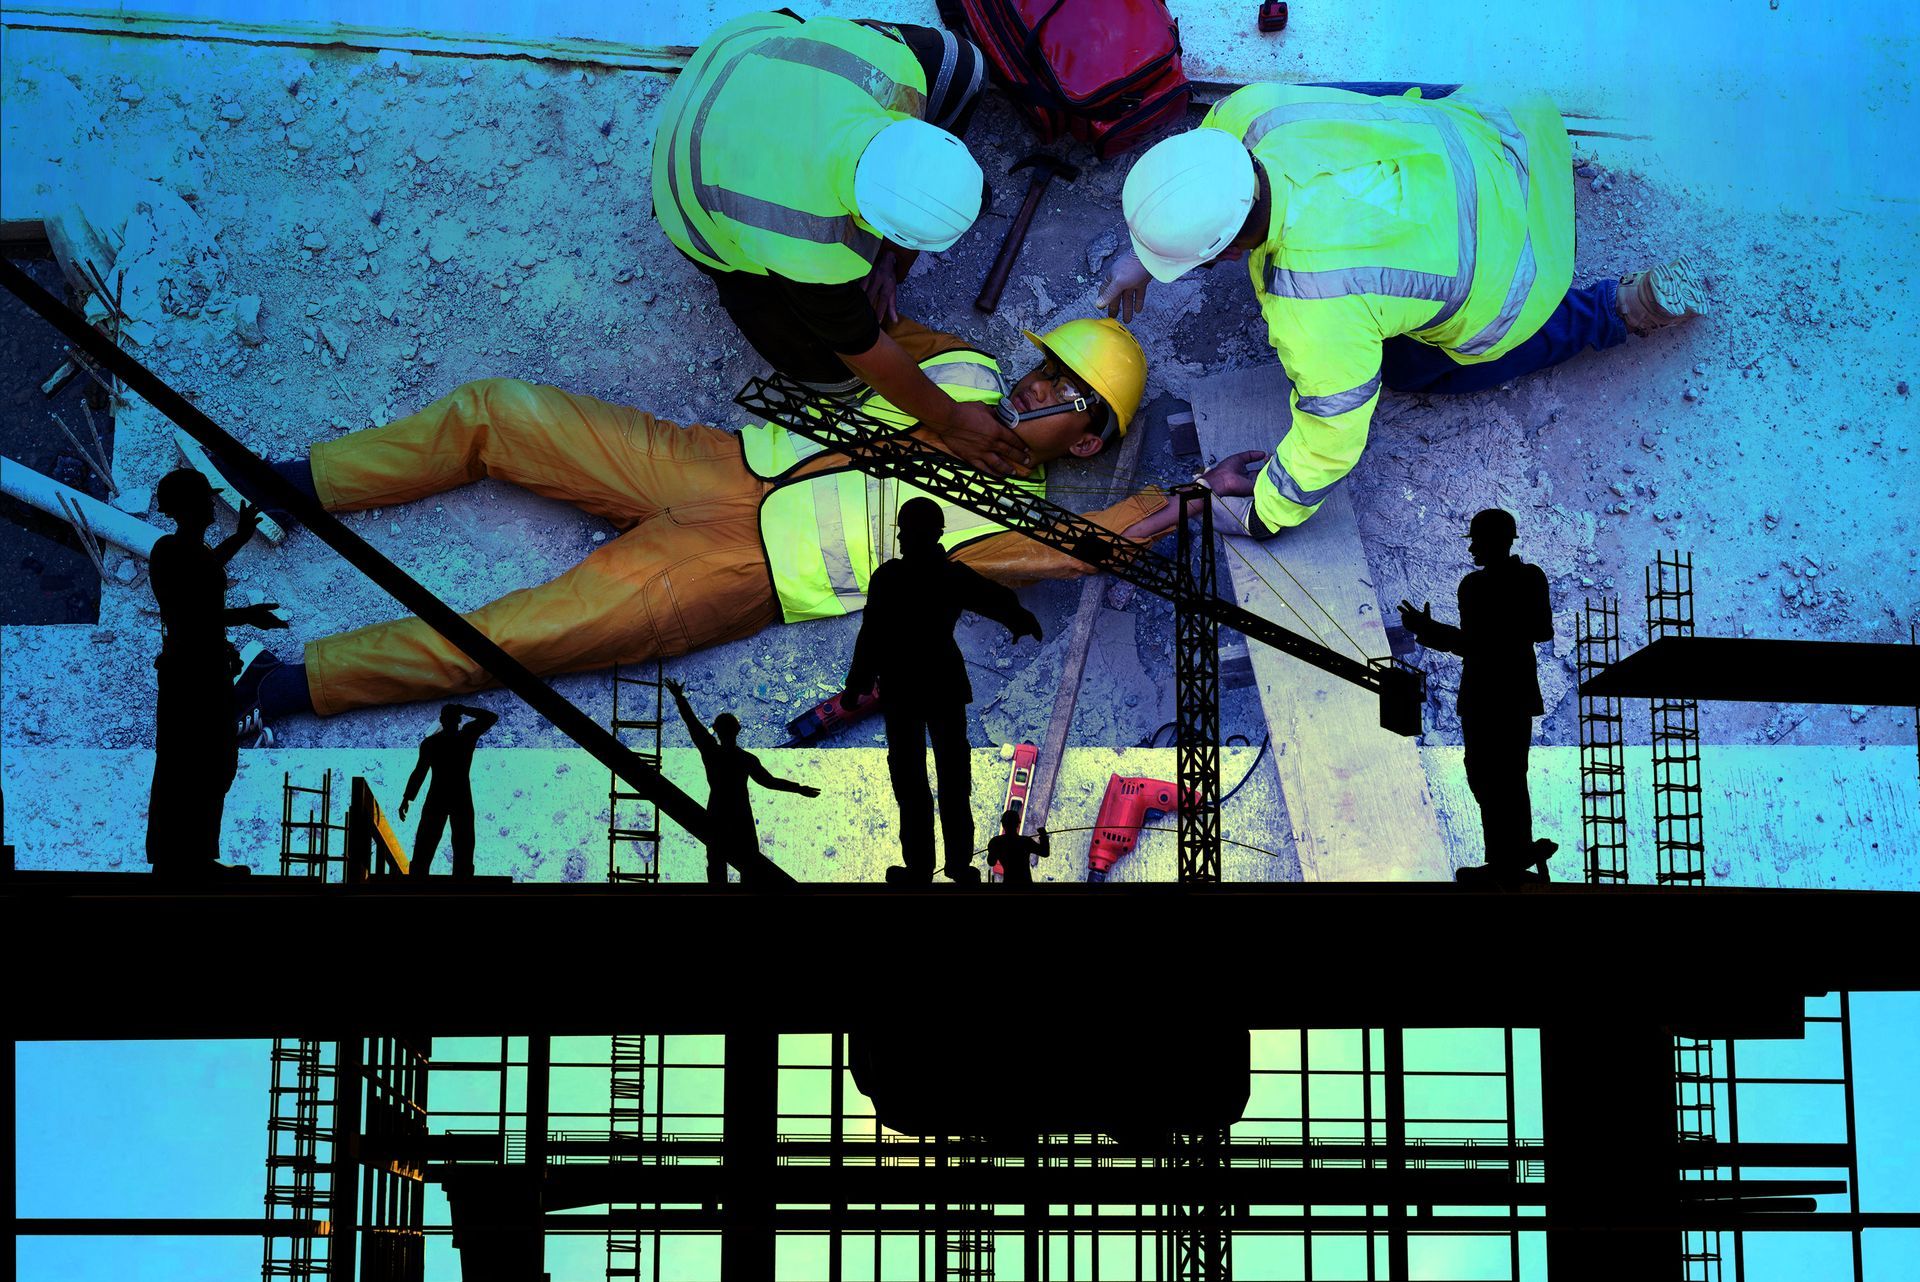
{"x": 315, "y": 241}
{"x": 133, "y": 499}
{"x": 288, "y": 113}
{"x": 440, "y": 247}
{"x": 127, "y": 572}
{"x": 299, "y": 140}
{"x": 336, "y": 337}
{"x": 427, "y": 148}
{"x": 130, "y": 92}
{"x": 232, "y": 111}
{"x": 246, "y": 320}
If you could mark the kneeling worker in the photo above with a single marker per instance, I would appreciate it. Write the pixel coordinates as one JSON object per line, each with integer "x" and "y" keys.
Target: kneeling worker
{"x": 1422, "y": 245}
{"x": 802, "y": 166}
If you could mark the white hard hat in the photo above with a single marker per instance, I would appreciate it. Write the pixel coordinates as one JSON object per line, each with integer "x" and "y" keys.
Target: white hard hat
{"x": 1186, "y": 199}
{"x": 917, "y": 185}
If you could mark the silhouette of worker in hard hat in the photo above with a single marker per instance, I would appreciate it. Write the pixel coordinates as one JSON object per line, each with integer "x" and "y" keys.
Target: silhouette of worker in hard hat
{"x": 906, "y": 642}
{"x": 1504, "y": 612}
{"x": 735, "y": 838}
{"x": 1015, "y": 853}
{"x": 195, "y": 738}
{"x": 447, "y": 754}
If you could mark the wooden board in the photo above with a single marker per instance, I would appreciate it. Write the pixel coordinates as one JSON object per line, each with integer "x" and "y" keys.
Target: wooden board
{"x": 1357, "y": 796}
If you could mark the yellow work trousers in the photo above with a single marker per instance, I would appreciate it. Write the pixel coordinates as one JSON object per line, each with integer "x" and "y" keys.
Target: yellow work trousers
{"x": 687, "y": 571}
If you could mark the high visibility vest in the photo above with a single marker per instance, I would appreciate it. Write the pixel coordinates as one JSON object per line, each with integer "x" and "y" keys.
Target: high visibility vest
{"x": 826, "y": 533}
{"x": 757, "y": 143}
{"x": 1448, "y": 220}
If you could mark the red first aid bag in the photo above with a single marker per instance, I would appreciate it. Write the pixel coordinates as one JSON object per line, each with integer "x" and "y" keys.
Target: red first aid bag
{"x": 1106, "y": 71}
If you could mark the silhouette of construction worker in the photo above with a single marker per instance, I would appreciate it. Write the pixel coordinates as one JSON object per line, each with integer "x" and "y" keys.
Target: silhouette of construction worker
{"x": 906, "y": 643}
{"x": 196, "y": 751}
{"x": 1013, "y": 852}
{"x": 735, "y": 839}
{"x": 448, "y": 754}
{"x": 1504, "y": 612}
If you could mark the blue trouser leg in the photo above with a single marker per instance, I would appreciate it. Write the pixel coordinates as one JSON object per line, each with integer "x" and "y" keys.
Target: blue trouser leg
{"x": 1585, "y": 318}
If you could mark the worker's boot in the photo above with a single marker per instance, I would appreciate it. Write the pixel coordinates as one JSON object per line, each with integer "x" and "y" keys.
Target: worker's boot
{"x": 966, "y": 875}
{"x": 898, "y": 876}
{"x": 1661, "y": 296}
{"x": 249, "y": 723}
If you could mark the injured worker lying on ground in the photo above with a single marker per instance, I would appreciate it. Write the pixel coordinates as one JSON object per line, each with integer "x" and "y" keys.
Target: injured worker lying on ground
{"x": 723, "y": 532}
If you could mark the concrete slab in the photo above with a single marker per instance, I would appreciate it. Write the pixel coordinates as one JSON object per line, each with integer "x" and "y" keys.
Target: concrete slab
{"x": 1356, "y": 795}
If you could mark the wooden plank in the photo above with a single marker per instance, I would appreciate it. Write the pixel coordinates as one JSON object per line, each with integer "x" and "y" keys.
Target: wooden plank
{"x": 1053, "y": 746}
{"x": 1357, "y": 796}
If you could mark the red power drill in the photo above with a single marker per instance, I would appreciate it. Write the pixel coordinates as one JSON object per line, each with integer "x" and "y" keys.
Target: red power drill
{"x": 829, "y": 718}
{"x": 1130, "y": 801}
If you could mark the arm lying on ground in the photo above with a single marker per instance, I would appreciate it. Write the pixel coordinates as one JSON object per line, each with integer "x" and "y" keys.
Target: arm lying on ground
{"x": 1016, "y": 560}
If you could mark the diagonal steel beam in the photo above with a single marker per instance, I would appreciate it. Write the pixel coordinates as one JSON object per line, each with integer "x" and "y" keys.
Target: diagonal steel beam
{"x": 430, "y": 609}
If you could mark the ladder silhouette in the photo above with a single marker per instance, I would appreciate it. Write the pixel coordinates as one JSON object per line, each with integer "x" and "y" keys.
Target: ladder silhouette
{"x": 626, "y": 1119}
{"x": 1678, "y": 842}
{"x": 306, "y": 844}
{"x": 633, "y": 819}
{"x": 1603, "y": 772}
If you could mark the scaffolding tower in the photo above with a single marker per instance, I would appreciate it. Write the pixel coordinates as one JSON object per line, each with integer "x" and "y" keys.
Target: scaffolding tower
{"x": 1196, "y": 686}
{"x": 966, "y": 1251}
{"x": 1679, "y": 845}
{"x": 1696, "y": 1121}
{"x": 306, "y": 844}
{"x": 633, "y": 821}
{"x": 1199, "y": 1244}
{"x": 1603, "y": 766}
{"x": 300, "y": 1111}
{"x": 626, "y": 1121}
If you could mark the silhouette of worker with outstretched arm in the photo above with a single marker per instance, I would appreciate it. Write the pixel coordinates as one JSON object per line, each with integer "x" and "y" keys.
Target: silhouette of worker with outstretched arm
{"x": 448, "y": 754}
{"x": 735, "y": 838}
{"x": 1014, "y": 853}
{"x": 906, "y": 643}
{"x": 1504, "y": 613}
{"x": 195, "y": 740}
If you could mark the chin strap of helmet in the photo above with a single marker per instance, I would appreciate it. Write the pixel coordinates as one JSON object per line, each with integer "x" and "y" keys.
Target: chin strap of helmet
{"x": 1079, "y": 404}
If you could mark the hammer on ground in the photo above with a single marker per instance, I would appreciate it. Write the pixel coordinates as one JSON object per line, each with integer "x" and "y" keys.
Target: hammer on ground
{"x": 1045, "y": 169}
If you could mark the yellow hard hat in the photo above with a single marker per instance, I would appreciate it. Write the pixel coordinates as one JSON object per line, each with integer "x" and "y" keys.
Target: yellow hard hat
{"x": 1101, "y": 351}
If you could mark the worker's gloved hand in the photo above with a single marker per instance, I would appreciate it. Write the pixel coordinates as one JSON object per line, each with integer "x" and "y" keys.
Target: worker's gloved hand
{"x": 1026, "y": 626}
{"x": 1413, "y": 620}
{"x": 807, "y": 790}
{"x": 975, "y": 435}
{"x": 1125, "y": 292}
{"x": 1230, "y": 475}
{"x": 404, "y": 803}
{"x": 849, "y": 700}
{"x": 881, "y": 284}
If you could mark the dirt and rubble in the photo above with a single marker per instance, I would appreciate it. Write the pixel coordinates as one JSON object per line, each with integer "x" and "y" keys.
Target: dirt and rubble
{"x": 340, "y": 237}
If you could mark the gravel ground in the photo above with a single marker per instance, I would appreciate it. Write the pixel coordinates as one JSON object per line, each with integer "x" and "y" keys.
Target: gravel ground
{"x": 343, "y": 237}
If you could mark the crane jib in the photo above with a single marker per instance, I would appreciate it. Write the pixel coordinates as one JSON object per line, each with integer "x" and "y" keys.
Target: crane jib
{"x": 886, "y": 450}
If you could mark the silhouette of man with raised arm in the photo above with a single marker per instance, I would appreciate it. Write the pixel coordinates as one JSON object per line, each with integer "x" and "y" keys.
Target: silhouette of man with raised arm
{"x": 1015, "y": 853}
{"x": 1504, "y": 613}
{"x": 906, "y": 643}
{"x": 448, "y": 754}
{"x": 196, "y": 749}
{"x": 736, "y": 838}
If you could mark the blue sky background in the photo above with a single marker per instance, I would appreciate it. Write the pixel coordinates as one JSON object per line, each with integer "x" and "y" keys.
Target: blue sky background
{"x": 179, "y": 1129}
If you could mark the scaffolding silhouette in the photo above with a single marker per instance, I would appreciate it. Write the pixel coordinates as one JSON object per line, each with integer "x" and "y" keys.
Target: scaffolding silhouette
{"x": 306, "y": 844}
{"x": 626, "y": 1120}
{"x": 1196, "y": 684}
{"x": 299, "y": 1158}
{"x": 1696, "y": 1120}
{"x": 1603, "y": 766}
{"x": 1679, "y": 845}
{"x": 1199, "y": 1242}
{"x": 965, "y": 1252}
{"x": 633, "y": 822}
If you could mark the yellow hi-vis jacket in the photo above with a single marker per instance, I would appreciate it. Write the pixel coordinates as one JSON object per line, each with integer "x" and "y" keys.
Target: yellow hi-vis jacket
{"x": 826, "y": 533}
{"x": 757, "y": 143}
{"x": 1449, "y": 220}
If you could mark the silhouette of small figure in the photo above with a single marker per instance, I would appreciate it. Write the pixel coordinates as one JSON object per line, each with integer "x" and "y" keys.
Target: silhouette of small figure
{"x": 448, "y": 754}
{"x": 1012, "y": 851}
{"x": 196, "y": 751}
{"x": 736, "y": 838}
{"x": 906, "y": 643}
{"x": 1504, "y": 612}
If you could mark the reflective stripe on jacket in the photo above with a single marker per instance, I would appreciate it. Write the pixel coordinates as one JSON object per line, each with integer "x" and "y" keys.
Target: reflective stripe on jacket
{"x": 819, "y": 570}
{"x": 754, "y": 156}
{"x": 1449, "y": 221}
